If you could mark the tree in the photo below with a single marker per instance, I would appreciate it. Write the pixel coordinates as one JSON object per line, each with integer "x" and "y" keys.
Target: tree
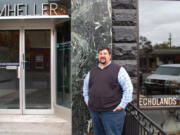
{"x": 164, "y": 45}
{"x": 145, "y": 44}
{"x": 147, "y": 48}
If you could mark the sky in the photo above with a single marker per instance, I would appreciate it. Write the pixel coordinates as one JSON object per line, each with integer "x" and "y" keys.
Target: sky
{"x": 157, "y": 19}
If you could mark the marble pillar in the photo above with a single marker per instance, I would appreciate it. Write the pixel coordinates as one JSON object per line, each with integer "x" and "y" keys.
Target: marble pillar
{"x": 91, "y": 28}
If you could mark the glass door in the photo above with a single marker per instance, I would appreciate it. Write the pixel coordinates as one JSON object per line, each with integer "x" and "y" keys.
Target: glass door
{"x": 9, "y": 70}
{"x": 36, "y": 57}
{"x": 25, "y": 71}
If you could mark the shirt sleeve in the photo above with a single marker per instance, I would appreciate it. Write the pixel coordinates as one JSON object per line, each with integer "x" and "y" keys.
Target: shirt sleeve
{"x": 86, "y": 88}
{"x": 127, "y": 87}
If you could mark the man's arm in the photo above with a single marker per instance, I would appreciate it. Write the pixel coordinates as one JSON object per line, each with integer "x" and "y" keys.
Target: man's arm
{"x": 86, "y": 88}
{"x": 127, "y": 87}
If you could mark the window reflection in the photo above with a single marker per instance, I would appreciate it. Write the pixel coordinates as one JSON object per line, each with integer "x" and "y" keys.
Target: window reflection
{"x": 159, "y": 57}
{"x": 159, "y": 51}
{"x": 63, "y": 48}
{"x": 37, "y": 69}
{"x": 9, "y": 62}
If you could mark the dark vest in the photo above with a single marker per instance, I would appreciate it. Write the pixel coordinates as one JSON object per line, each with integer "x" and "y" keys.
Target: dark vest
{"x": 105, "y": 93}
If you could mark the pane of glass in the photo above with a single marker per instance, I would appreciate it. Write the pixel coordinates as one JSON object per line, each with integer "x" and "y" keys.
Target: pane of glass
{"x": 159, "y": 45}
{"x": 9, "y": 62}
{"x": 37, "y": 69}
{"x": 63, "y": 49}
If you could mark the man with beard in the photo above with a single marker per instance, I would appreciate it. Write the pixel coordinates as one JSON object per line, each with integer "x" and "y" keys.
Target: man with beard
{"x": 107, "y": 90}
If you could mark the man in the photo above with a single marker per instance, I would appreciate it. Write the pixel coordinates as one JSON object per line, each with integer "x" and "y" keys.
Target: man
{"x": 107, "y": 90}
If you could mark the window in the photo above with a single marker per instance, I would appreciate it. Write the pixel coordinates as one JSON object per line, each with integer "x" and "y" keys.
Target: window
{"x": 63, "y": 50}
{"x": 159, "y": 54}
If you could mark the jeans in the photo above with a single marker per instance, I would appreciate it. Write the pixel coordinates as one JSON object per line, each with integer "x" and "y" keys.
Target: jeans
{"x": 107, "y": 123}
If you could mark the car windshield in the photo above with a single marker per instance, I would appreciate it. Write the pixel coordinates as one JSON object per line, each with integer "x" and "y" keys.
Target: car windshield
{"x": 168, "y": 71}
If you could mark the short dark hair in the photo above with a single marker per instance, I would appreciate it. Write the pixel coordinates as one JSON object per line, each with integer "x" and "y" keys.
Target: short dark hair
{"x": 104, "y": 48}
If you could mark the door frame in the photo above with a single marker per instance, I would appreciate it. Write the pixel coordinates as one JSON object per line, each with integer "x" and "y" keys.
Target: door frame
{"x": 32, "y": 25}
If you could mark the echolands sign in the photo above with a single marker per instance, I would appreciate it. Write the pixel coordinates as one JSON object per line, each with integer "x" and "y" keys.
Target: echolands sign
{"x": 166, "y": 101}
{"x": 23, "y": 9}
{"x": 159, "y": 102}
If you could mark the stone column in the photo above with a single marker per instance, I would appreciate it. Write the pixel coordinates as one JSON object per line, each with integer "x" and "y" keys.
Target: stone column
{"x": 91, "y": 28}
{"x": 124, "y": 33}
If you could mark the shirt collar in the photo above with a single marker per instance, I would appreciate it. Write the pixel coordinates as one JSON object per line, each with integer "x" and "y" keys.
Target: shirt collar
{"x": 106, "y": 65}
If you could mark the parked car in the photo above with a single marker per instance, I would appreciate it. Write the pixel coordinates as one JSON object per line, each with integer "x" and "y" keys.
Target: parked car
{"x": 164, "y": 80}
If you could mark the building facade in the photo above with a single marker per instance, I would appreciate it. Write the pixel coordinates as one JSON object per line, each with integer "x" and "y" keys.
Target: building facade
{"x": 35, "y": 56}
{"x": 48, "y": 46}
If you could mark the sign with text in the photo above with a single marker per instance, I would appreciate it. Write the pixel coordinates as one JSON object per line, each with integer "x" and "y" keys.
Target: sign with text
{"x": 158, "y": 101}
{"x": 33, "y": 8}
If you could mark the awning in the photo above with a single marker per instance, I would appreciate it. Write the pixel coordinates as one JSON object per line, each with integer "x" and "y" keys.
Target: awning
{"x": 54, "y": 18}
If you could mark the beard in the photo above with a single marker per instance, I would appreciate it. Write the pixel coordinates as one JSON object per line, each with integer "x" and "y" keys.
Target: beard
{"x": 102, "y": 61}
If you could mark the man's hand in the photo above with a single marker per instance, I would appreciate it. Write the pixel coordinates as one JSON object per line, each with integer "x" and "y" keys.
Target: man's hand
{"x": 118, "y": 108}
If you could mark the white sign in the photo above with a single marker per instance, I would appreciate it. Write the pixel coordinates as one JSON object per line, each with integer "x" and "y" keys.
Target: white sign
{"x": 23, "y": 9}
{"x": 166, "y": 101}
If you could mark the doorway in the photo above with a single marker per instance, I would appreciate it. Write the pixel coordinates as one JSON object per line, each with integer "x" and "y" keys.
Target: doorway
{"x": 25, "y": 68}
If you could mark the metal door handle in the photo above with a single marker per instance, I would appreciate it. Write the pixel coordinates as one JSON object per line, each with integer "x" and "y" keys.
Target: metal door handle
{"x": 11, "y": 67}
{"x": 18, "y": 72}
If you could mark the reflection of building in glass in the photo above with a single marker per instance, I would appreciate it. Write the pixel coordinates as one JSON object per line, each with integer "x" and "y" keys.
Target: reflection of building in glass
{"x": 150, "y": 61}
{"x": 158, "y": 57}
{"x": 63, "y": 49}
{"x": 160, "y": 63}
